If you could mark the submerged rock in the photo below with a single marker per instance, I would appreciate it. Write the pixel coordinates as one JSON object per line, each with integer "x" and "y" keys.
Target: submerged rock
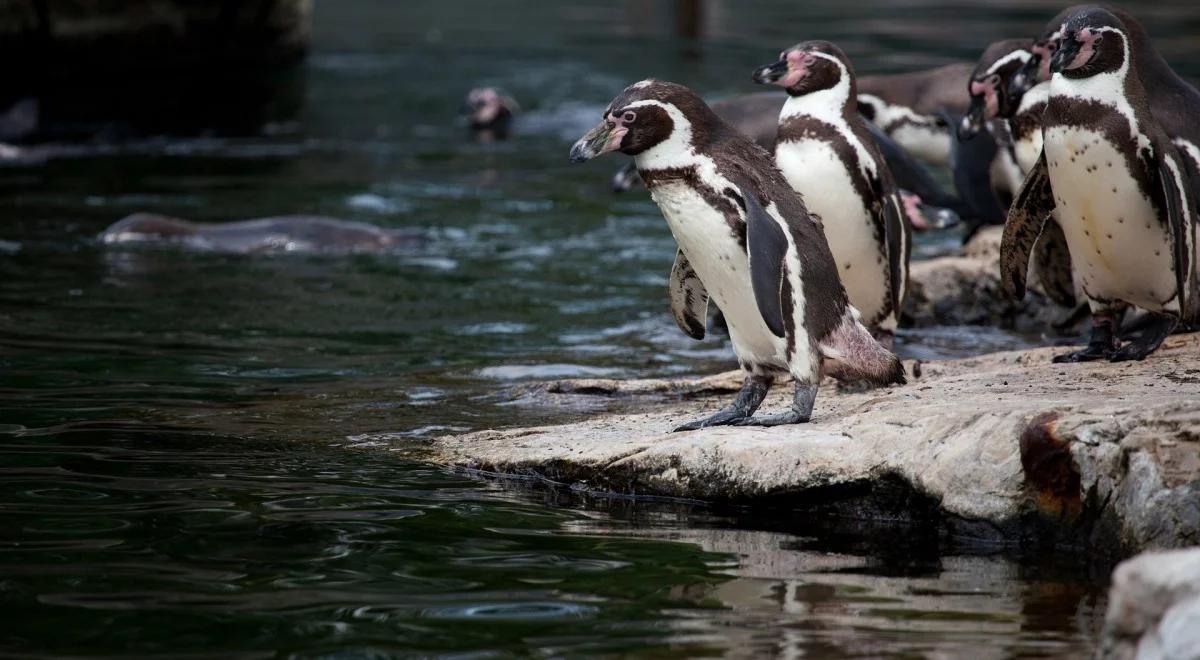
{"x": 288, "y": 233}
{"x": 1154, "y": 608}
{"x": 1003, "y": 447}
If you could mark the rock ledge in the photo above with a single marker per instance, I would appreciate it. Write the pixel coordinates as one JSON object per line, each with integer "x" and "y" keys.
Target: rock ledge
{"x": 1003, "y": 447}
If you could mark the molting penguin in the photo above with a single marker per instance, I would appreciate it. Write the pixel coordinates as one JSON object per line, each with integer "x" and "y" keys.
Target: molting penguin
{"x": 825, "y": 151}
{"x": 1119, "y": 186}
{"x": 1017, "y": 124}
{"x": 747, "y": 242}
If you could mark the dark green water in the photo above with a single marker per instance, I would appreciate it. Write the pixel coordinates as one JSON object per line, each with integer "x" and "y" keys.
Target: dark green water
{"x": 214, "y": 455}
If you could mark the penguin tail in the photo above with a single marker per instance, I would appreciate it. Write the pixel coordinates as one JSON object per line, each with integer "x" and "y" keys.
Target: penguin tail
{"x": 850, "y": 354}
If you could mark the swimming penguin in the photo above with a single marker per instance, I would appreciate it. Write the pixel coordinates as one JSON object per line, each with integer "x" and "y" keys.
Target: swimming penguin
{"x": 1174, "y": 102}
{"x": 747, "y": 242}
{"x": 827, "y": 155}
{"x": 1017, "y": 123}
{"x": 287, "y": 233}
{"x": 1119, "y": 186}
{"x": 489, "y": 112}
{"x": 911, "y": 107}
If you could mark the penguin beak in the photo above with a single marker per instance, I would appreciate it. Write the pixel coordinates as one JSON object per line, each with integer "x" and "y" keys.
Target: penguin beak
{"x": 972, "y": 122}
{"x": 1067, "y": 50}
{"x": 771, "y": 73}
{"x": 605, "y": 137}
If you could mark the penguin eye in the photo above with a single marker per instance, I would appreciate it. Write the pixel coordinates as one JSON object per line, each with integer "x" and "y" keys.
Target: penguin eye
{"x": 629, "y": 116}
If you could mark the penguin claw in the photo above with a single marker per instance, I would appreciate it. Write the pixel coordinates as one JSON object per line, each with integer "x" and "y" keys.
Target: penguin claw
{"x": 721, "y": 418}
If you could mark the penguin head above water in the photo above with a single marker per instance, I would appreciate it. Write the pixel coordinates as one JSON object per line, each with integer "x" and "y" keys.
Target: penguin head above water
{"x": 988, "y": 88}
{"x": 489, "y": 109}
{"x": 1094, "y": 41}
{"x": 646, "y": 115}
{"x": 808, "y": 67}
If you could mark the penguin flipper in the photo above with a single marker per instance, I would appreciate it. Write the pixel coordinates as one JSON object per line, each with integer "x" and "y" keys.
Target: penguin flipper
{"x": 1028, "y": 215}
{"x": 1052, "y": 261}
{"x": 766, "y": 248}
{"x": 689, "y": 298}
{"x": 898, "y": 241}
{"x": 1181, "y": 209}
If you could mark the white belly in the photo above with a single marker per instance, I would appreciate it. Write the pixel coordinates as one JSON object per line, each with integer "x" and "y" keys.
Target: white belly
{"x": 1118, "y": 245}
{"x": 1028, "y": 150}
{"x": 709, "y": 244}
{"x": 814, "y": 170}
{"x": 928, "y": 142}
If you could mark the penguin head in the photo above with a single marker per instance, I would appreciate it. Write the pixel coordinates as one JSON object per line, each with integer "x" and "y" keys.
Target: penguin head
{"x": 1094, "y": 41}
{"x": 989, "y": 89}
{"x": 489, "y": 108}
{"x": 808, "y": 67}
{"x": 1037, "y": 68}
{"x": 645, "y": 115}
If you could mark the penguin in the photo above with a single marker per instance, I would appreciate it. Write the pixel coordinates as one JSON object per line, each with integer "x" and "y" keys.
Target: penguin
{"x": 756, "y": 116}
{"x": 1119, "y": 186}
{"x": 490, "y": 113}
{"x": 918, "y": 110}
{"x": 1174, "y": 102}
{"x": 910, "y": 107}
{"x": 747, "y": 243}
{"x": 826, "y": 153}
{"x": 1016, "y": 124}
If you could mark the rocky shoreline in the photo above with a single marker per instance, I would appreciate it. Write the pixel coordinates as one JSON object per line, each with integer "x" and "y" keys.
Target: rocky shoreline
{"x": 1006, "y": 448}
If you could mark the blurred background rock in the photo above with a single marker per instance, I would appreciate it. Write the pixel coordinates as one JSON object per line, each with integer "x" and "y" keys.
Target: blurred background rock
{"x": 88, "y": 67}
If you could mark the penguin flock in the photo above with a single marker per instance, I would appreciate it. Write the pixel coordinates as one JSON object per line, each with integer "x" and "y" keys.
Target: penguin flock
{"x": 794, "y": 213}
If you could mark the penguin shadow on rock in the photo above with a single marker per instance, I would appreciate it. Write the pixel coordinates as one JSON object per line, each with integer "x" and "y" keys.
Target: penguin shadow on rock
{"x": 747, "y": 243}
{"x": 1119, "y": 178}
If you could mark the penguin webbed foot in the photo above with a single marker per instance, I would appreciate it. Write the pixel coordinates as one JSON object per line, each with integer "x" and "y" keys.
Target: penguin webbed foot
{"x": 749, "y": 398}
{"x": 1092, "y": 353}
{"x": 800, "y": 412}
{"x": 1102, "y": 343}
{"x": 723, "y": 417}
{"x": 1156, "y": 329}
{"x": 780, "y": 419}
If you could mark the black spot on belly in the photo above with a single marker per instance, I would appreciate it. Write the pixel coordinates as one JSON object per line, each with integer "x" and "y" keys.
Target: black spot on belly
{"x": 847, "y": 266}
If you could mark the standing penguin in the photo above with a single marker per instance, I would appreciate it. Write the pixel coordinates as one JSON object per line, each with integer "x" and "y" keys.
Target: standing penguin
{"x": 1173, "y": 101}
{"x": 747, "y": 242}
{"x": 826, "y": 153}
{"x": 1017, "y": 117}
{"x": 1119, "y": 186}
